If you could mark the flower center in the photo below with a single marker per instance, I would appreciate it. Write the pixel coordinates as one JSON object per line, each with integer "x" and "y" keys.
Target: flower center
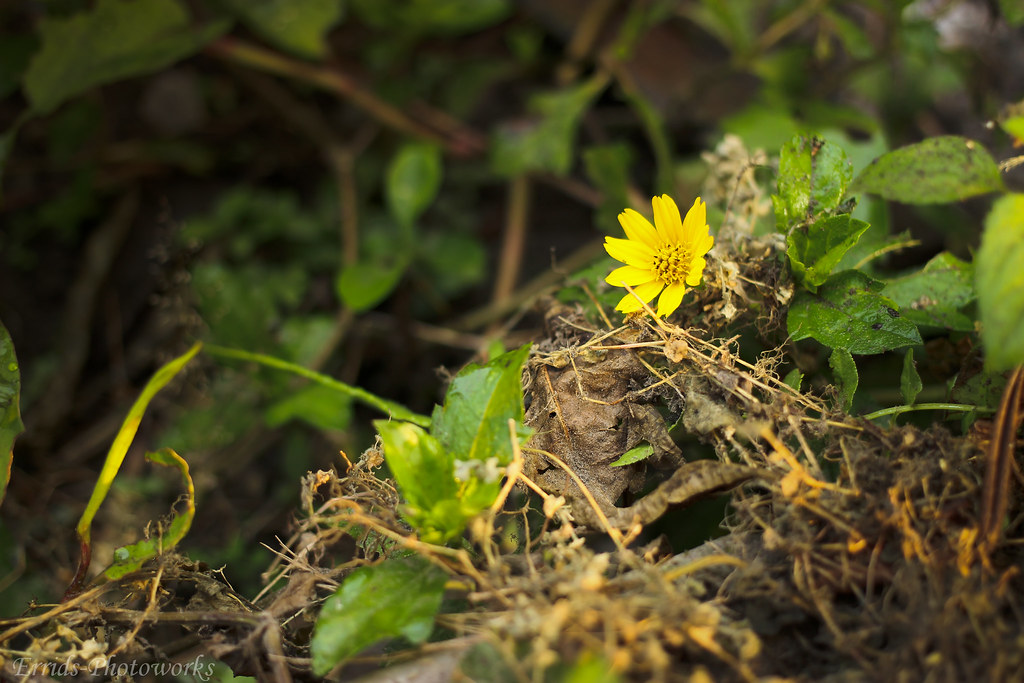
{"x": 672, "y": 263}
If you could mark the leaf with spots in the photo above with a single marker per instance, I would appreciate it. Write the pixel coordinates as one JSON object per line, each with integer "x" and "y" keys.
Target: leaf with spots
{"x": 936, "y": 294}
{"x": 935, "y": 171}
{"x": 849, "y": 312}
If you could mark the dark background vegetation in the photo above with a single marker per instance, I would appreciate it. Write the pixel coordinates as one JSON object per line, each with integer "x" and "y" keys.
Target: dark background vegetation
{"x": 215, "y": 199}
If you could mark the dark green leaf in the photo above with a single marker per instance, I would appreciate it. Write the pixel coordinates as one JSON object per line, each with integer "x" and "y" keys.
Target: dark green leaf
{"x": 935, "y": 294}
{"x": 296, "y": 26}
{"x": 545, "y": 143}
{"x": 938, "y": 170}
{"x": 473, "y": 424}
{"x": 117, "y": 39}
{"x": 607, "y": 167}
{"x": 641, "y": 451}
{"x": 413, "y": 180}
{"x": 813, "y": 176}
{"x": 910, "y": 381}
{"x": 847, "y": 312}
{"x": 361, "y": 286}
{"x": 438, "y": 17}
{"x": 398, "y": 597}
{"x": 845, "y": 371}
{"x": 131, "y": 557}
{"x": 815, "y": 250}
{"x": 999, "y": 276}
{"x": 10, "y": 411}
{"x": 983, "y": 389}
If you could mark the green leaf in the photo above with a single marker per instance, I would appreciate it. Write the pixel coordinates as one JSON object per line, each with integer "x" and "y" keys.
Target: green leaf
{"x": 117, "y": 39}
{"x": 362, "y": 286}
{"x": 10, "y": 412}
{"x": 793, "y": 379}
{"x": 845, "y": 371}
{"x": 910, "y": 381}
{"x": 641, "y": 451}
{"x": 847, "y": 312}
{"x": 296, "y": 26}
{"x": 813, "y": 176}
{"x": 607, "y": 167}
{"x": 1012, "y": 11}
{"x": 935, "y": 294}
{"x": 438, "y": 17}
{"x": 999, "y": 277}
{"x": 398, "y": 597}
{"x": 815, "y": 250}
{"x": 317, "y": 405}
{"x": 130, "y": 557}
{"x": 546, "y": 143}
{"x": 125, "y": 436}
{"x": 424, "y": 470}
{"x": 938, "y": 170}
{"x": 473, "y": 423}
{"x": 413, "y": 179}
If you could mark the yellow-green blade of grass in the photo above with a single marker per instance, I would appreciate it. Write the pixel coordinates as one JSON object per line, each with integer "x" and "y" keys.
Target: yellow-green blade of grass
{"x": 130, "y": 557}
{"x": 395, "y": 410}
{"x": 116, "y": 455}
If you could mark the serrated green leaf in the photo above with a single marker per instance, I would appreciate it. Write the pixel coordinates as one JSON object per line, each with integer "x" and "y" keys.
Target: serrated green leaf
{"x": 296, "y": 26}
{"x": 361, "y": 286}
{"x": 473, "y": 423}
{"x": 999, "y": 278}
{"x": 398, "y": 597}
{"x": 117, "y": 39}
{"x": 547, "y": 142}
{"x": 847, "y": 312}
{"x": 910, "y": 381}
{"x": 815, "y": 250}
{"x": 413, "y": 179}
{"x": 813, "y": 177}
{"x": 935, "y": 294}
{"x": 845, "y": 371}
{"x": 938, "y": 170}
{"x": 130, "y": 557}
{"x": 641, "y": 451}
{"x": 10, "y": 411}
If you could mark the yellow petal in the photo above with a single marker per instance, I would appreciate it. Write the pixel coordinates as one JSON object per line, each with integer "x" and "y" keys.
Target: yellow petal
{"x": 697, "y": 267}
{"x": 646, "y": 291}
{"x": 696, "y": 223}
{"x": 706, "y": 244}
{"x": 670, "y": 299}
{"x": 630, "y": 275}
{"x": 634, "y": 253}
{"x": 638, "y": 228}
{"x": 666, "y": 219}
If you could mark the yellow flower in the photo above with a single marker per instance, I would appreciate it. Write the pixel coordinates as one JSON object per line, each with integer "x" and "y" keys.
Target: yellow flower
{"x": 667, "y": 256}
